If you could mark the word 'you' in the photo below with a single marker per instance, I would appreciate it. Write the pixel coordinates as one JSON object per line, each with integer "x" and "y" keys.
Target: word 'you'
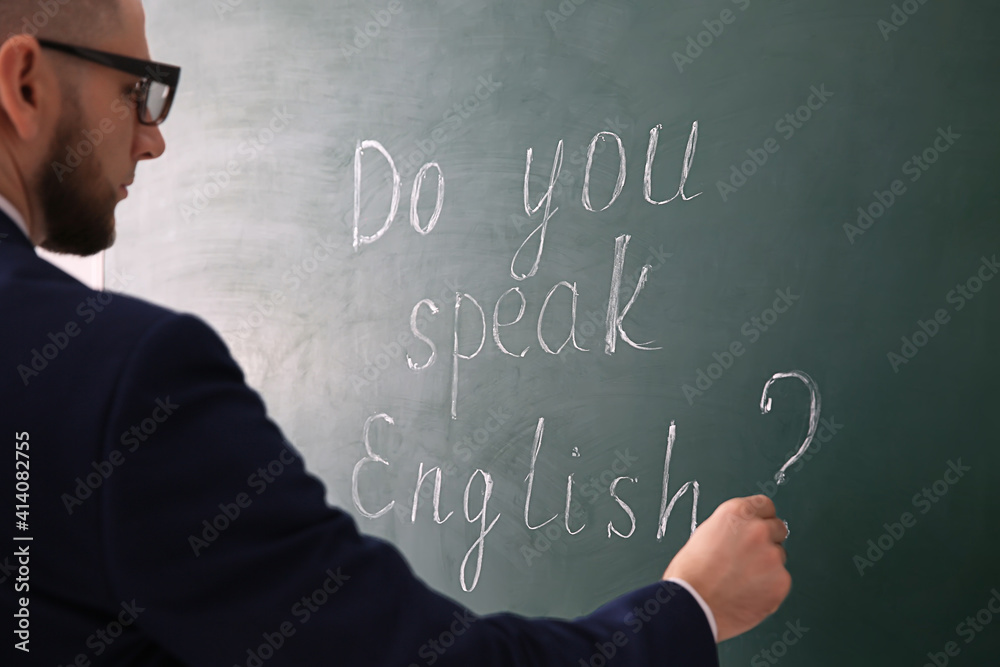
{"x": 533, "y": 244}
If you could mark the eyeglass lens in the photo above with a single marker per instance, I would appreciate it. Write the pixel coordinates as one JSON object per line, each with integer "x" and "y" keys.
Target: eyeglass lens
{"x": 156, "y": 101}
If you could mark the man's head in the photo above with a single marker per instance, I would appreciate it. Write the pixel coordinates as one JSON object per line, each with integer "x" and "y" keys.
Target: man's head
{"x": 70, "y": 137}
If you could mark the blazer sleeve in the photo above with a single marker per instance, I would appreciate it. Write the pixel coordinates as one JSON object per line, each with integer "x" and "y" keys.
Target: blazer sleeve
{"x": 230, "y": 569}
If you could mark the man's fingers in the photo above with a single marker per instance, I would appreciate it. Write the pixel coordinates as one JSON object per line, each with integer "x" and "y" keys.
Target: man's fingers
{"x": 778, "y": 530}
{"x": 762, "y": 506}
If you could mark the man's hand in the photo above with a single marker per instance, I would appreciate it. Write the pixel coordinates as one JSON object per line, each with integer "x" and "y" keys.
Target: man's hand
{"x": 736, "y": 562}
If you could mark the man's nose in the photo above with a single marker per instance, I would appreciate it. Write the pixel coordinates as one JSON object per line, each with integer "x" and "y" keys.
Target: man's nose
{"x": 149, "y": 143}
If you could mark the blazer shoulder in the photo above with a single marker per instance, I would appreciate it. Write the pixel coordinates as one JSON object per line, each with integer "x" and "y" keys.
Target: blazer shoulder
{"x": 33, "y": 288}
{"x": 98, "y": 332}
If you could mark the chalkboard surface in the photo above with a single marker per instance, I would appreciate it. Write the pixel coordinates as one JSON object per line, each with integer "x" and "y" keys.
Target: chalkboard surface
{"x": 726, "y": 191}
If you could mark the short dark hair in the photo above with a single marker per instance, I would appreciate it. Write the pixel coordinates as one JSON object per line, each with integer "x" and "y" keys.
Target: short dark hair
{"x": 74, "y": 21}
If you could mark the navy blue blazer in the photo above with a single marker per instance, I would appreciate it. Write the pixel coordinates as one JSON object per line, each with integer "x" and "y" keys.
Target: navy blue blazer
{"x": 137, "y": 427}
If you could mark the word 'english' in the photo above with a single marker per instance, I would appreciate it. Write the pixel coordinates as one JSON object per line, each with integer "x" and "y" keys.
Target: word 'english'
{"x": 617, "y": 487}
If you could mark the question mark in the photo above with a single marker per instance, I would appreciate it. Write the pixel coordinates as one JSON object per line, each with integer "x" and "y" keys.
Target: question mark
{"x": 814, "y": 404}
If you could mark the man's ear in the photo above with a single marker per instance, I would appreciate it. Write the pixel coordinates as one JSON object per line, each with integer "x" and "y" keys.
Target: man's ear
{"x": 23, "y": 85}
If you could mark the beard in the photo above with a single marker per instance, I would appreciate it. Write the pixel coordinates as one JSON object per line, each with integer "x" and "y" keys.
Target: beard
{"x": 78, "y": 208}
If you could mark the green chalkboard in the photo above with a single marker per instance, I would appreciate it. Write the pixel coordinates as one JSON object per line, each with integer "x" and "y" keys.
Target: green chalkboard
{"x": 727, "y": 190}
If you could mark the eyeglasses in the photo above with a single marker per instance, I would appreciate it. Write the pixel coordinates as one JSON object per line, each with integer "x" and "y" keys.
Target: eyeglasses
{"x": 153, "y": 94}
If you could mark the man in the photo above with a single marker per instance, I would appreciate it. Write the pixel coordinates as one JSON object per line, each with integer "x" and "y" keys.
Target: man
{"x": 132, "y": 427}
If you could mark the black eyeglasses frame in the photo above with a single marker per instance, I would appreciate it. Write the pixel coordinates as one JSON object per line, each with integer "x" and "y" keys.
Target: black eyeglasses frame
{"x": 168, "y": 75}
